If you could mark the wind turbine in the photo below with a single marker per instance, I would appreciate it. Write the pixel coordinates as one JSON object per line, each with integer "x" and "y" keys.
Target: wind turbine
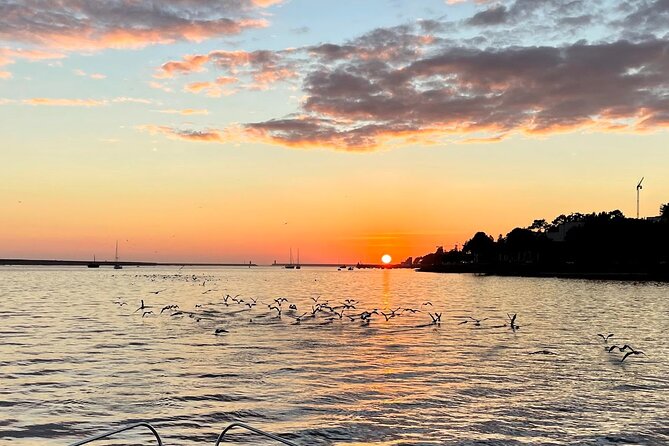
{"x": 638, "y": 189}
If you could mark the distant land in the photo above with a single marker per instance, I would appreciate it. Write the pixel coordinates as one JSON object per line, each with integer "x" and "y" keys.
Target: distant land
{"x": 604, "y": 245}
{"x": 41, "y": 262}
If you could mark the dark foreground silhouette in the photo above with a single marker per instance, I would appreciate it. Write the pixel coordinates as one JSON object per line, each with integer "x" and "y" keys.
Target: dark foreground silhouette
{"x": 604, "y": 245}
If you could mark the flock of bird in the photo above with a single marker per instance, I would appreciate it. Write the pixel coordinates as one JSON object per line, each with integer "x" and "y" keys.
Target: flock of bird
{"x": 323, "y": 312}
{"x": 627, "y": 349}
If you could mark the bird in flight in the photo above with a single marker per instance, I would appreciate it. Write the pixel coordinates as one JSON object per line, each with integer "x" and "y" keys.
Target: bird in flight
{"x": 632, "y": 352}
{"x": 605, "y": 338}
{"x": 142, "y": 307}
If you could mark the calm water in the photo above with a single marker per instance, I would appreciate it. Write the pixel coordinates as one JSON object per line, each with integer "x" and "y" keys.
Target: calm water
{"x": 73, "y": 362}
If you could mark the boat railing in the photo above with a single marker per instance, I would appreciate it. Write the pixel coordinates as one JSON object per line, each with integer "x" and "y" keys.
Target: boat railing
{"x": 254, "y": 430}
{"x": 118, "y": 431}
{"x": 221, "y": 437}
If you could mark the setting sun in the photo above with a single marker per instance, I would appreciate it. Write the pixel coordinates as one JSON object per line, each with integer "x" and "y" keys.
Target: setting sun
{"x": 386, "y": 259}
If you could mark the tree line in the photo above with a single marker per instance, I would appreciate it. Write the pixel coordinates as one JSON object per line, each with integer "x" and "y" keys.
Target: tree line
{"x": 603, "y": 241}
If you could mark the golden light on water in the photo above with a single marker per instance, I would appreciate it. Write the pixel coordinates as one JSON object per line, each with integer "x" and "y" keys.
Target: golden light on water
{"x": 386, "y": 259}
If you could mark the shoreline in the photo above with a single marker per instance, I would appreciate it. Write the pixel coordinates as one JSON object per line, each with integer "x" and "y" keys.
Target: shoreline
{"x": 105, "y": 263}
{"x": 656, "y": 275}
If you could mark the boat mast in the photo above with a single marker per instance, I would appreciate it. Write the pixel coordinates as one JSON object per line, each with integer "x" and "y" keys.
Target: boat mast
{"x": 116, "y": 256}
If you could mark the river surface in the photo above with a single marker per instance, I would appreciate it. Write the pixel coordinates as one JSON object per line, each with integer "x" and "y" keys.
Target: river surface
{"x": 74, "y": 361}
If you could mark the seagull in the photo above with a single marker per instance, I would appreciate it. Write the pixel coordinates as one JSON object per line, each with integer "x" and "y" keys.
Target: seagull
{"x": 605, "y": 338}
{"x": 543, "y": 352}
{"x": 633, "y": 352}
{"x": 157, "y": 292}
{"x": 292, "y": 307}
{"x": 620, "y": 349}
{"x": 146, "y": 313}
{"x": 512, "y": 321}
{"x": 220, "y": 330}
{"x": 315, "y": 299}
{"x": 436, "y": 318}
{"x": 142, "y": 306}
{"x": 298, "y": 319}
{"x": 426, "y": 304}
{"x": 169, "y": 307}
{"x": 411, "y": 310}
{"x": 278, "y": 309}
{"x": 477, "y": 322}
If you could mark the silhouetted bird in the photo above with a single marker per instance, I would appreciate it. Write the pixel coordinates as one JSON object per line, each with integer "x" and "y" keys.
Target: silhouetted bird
{"x": 512, "y": 321}
{"x": 146, "y": 313}
{"x": 157, "y": 292}
{"x": 142, "y": 307}
{"x": 477, "y": 322}
{"x": 543, "y": 352}
{"x": 633, "y": 352}
{"x": 620, "y": 349}
{"x": 605, "y": 338}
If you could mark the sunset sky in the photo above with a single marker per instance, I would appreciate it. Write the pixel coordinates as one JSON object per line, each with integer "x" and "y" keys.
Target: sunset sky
{"x": 233, "y": 130}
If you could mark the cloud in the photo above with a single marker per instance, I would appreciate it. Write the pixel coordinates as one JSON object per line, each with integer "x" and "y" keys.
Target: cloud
{"x": 9, "y": 56}
{"x": 96, "y": 76}
{"x": 189, "y": 135}
{"x": 160, "y": 86}
{"x": 59, "y": 102}
{"x": 416, "y": 84}
{"x": 90, "y": 25}
{"x": 251, "y": 70}
{"x": 77, "y": 102}
{"x": 495, "y": 15}
{"x": 215, "y": 89}
{"x": 184, "y": 112}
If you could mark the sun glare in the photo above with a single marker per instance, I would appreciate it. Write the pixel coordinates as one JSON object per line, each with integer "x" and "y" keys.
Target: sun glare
{"x": 386, "y": 259}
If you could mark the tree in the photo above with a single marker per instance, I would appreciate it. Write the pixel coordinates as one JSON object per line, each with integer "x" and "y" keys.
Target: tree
{"x": 482, "y": 246}
{"x": 664, "y": 211}
{"x": 539, "y": 225}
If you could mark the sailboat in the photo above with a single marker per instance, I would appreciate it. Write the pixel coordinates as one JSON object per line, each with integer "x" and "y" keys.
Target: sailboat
{"x": 94, "y": 264}
{"x": 116, "y": 264}
{"x": 290, "y": 265}
{"x": 298, "y": 260}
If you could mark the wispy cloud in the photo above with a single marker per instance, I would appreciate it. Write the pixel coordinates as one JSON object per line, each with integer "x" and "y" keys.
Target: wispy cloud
{"x": 61, "y": 102}
{"x": 9, "y": 56}
{"x": 82, "y": 73}
{"x": 251, "y": 70}
{"x": 84, "y": 102}
{"x": 184, "y": 112}
{"x": 206, "y": 135}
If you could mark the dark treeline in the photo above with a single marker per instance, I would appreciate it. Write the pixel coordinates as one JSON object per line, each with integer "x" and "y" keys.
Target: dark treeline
{"x": 605, "y": 242}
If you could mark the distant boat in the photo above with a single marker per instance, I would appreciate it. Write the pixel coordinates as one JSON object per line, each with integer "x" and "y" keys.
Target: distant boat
{"x": 93, "y": 264}
{"x": 290, "y": 265}
{"x": 116, "y": 264}
{"x": 298, "y": 259}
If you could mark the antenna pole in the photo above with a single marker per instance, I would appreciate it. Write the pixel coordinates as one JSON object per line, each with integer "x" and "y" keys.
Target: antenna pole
{"x": 638, "y": 191}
